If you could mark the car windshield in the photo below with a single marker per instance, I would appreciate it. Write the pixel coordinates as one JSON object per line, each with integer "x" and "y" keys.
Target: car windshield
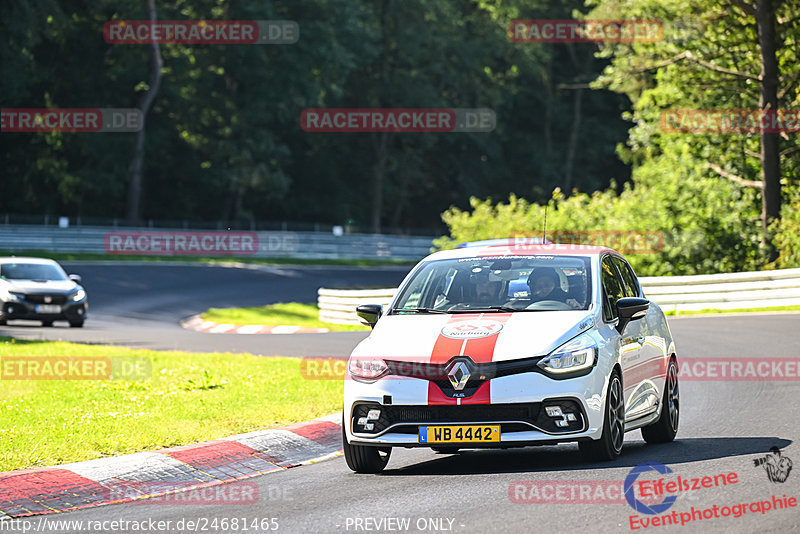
{"x": 498, "y": 284}
{"x": 31, "y": 271}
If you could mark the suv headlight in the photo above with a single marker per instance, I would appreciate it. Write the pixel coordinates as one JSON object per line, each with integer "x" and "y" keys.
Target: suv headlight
{"x": 367, "y": 368}
{"x": 575, "y": 355}
{"x": 79, "y": 295}
{"x": 15, "y": 297}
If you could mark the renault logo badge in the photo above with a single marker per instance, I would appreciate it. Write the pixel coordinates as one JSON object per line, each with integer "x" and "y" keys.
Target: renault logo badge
{"x": 459, "y": 375}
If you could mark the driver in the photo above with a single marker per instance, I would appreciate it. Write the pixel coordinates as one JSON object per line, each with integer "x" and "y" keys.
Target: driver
{"x": 486, "y": 291}
{"x": 471, "y": 290}
{"x": 545, "y": 284}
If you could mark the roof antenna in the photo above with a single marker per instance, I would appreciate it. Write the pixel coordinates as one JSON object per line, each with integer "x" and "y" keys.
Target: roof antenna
{"x": 544, "y": 230}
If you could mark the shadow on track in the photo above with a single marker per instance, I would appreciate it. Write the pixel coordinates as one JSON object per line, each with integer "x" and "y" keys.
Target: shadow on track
{"x": 568, "y": 458}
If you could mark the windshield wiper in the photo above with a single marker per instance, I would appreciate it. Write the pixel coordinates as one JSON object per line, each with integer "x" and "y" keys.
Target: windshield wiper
{"x": 419, "y": 310}
{"x": 499, "y": 309}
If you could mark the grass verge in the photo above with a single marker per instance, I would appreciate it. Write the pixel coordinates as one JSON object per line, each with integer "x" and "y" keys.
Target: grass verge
{"x": 69, "y": 256}
{"x": 284, "y": 313}
{"x": 187, "y": 397}
{"x": 737, "y": 310}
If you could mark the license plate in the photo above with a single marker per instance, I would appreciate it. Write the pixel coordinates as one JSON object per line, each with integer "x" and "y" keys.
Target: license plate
{"x": 48, "y": 308}
{"x": 459, "y": 434}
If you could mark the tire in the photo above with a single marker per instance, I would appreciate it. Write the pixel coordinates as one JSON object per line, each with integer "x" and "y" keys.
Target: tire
{"x": 665, "y": 428}
{"x": 76, "y": 324}
{"x": 445, "y": 450}
{"x": 364, "y": 459}
{"x": 609, "y": 446}
{"x": 47, "y": 323}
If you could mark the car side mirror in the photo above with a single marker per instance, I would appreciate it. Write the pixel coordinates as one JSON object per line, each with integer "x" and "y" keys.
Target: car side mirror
{"x": 369, "y": 313}
{"x": 75, "y": 278}
{"x": 629, "y": 309}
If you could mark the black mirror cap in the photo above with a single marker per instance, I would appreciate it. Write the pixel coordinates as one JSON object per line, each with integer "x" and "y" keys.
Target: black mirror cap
{"x": 632, "y": 307}
{"x": 369, "y": 313}
{"x": 629, "y": 309}
{"x": 75, "y": 278}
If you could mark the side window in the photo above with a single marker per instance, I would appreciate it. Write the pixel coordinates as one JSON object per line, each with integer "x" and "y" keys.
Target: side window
{"x": 612, "y": 289}
{"x": 628, "y": 279}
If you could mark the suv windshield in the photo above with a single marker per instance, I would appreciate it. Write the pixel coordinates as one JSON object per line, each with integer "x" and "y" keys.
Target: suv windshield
{"x": 31, "y": 271}
{"x": 498, "y": 283}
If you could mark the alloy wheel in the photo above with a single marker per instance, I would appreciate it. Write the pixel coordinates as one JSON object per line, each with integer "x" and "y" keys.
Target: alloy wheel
{"x": 616, "y": 413}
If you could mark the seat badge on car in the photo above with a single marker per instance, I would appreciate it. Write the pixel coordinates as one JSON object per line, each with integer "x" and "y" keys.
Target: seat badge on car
{"x": 48, "y": 299}
{"x": 459, "y": 375}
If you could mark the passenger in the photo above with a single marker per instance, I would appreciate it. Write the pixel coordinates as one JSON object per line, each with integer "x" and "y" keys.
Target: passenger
{"x": 545, "y": 284}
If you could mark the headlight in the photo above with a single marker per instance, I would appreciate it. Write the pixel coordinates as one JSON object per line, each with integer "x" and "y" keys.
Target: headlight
{"x": 575, "y": 355}
{"x": 15, "y": 297}
{"x": 367, "y": 368}
{"x": 79, "y": 295}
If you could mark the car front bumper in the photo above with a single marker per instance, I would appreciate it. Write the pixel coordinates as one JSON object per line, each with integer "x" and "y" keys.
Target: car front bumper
{"x": 516, "y": 402}
{"x": 69, "y": 311}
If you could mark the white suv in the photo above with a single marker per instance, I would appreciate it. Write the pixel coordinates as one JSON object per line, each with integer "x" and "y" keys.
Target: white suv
{"x": 509, "y": 345}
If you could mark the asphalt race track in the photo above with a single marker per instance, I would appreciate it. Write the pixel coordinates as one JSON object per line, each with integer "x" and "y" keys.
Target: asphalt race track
{"x": 725, "y": 426}
{"x": 140, "y": 305}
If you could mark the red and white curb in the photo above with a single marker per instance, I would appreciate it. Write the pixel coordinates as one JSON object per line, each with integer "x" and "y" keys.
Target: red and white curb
{"x": 169, "y": 471}
{"x": 196, "y": 323}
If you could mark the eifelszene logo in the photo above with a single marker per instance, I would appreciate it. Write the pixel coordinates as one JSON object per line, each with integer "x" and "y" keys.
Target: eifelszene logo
{"x": 630, "y": 496}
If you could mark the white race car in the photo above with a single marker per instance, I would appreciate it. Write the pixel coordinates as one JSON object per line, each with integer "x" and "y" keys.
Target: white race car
{"x": 507, "y": 346}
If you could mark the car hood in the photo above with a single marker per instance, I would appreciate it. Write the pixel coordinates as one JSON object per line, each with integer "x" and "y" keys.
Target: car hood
{"x": 31, "y": 287}
{"x": 484, "y": 337}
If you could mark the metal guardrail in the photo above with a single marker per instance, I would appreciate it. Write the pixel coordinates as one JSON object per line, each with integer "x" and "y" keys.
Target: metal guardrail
{"x": 253, "y": 226}
{"x": 728, "y": 291}
{"x": 760, "y": 289}
{"x": 279, "y": 244}
{"x": 339, "y": 305}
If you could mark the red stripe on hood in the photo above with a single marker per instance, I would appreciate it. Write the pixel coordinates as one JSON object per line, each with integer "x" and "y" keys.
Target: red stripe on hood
{"x": 479, "y": 349}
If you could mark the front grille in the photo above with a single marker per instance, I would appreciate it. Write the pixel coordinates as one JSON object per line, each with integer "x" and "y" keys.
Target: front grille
{"x": 40, "y": 299}
{"x": 464, "y": 413}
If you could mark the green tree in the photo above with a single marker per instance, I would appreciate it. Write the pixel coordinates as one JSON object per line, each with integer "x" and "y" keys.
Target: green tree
{"x": 714, "y": 55}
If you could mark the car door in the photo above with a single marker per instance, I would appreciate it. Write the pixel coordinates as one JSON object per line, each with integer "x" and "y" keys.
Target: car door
{"x": 630, "y": 338}
{"x": 644, "y": 374}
